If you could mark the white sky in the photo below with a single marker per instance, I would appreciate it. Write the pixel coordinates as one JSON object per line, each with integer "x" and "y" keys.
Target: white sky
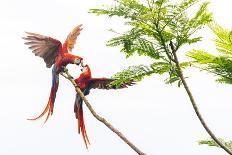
{"x": 158, "y": 118}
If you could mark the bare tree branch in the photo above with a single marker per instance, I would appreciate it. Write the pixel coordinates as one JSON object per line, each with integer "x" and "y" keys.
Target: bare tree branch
{"x": 68, "y": 76}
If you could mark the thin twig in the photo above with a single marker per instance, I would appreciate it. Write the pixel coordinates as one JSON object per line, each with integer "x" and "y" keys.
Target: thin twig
{"x": 68, "y": 76}
{"x": 180, "y": 73}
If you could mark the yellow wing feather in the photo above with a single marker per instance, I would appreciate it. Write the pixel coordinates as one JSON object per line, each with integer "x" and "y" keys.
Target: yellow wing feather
{"x": 72, "y": 37}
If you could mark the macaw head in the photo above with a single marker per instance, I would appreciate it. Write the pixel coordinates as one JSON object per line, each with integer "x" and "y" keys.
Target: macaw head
{"x": 85, "y": 70}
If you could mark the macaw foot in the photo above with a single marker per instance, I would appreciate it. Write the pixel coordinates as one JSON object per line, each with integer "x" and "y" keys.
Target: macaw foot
{"x": 63, "y": 69}
{"x": 63, "y": 74}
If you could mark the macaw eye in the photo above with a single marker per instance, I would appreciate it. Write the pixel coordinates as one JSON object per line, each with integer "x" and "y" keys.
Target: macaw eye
{"x": 77, "y": 61}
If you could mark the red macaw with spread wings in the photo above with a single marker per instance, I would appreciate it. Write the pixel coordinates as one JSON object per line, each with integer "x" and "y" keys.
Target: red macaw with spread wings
{"x": 56, "y": 54}
{"x": 86, "y": 83}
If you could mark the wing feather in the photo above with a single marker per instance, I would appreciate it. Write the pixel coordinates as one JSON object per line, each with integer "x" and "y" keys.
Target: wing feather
{"x": 43, "y": 46}
{"x": 72, "y": 37}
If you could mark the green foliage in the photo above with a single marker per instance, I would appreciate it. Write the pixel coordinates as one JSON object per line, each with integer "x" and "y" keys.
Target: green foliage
{"x": 223, "y": 40}
{"x": 220, "y": 65}
{"x": 211, "y": 142}
{"x": 201, "y": 57}
{"x": 152, "y": 26}
{"x": 133, "y": 73}
{"x": 133, "y": 42}
{"x": 137, "y": 73}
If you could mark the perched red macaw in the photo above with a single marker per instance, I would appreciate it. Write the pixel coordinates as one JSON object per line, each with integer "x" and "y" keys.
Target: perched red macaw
{"x": 56, "y": 54}
{"x": 86, "y": 83}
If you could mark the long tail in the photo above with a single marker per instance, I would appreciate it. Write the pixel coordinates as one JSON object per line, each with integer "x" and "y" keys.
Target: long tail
{"x": 78, "y": 109}
{"x": 50, "y": 105}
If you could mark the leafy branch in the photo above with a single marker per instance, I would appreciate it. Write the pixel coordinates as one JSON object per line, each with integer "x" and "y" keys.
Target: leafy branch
{"x": 211, "y": 142}
{"x": 158, "y": 30}
{"x": 212, "y": 135}
{"x": 138, "y": 73}
{"x": 221, "y": 64}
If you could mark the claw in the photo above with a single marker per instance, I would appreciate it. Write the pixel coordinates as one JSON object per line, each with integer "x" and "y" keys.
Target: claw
{"x": 64, "y": 69}
{"x": 63, "y": 74}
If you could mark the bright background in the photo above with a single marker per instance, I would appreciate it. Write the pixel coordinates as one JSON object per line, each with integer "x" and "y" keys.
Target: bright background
{"x": 158, "y": 118}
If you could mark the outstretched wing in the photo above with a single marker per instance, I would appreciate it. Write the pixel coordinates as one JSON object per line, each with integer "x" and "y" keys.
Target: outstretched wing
{"x": 72, "y": 37}
{"x": 43, "y": 46}
{"x": 103, "y": 83}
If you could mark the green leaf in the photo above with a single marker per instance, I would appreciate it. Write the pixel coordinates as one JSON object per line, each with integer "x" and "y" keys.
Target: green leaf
{"x": 201, "y": 57}
{"x": 211, "y": 143}
{"x": 221, "y": 64}
{"x": 223, "y": 40}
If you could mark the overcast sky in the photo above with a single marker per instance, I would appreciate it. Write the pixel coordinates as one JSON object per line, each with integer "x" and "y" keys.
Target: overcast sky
{"x": 158, "y": 118}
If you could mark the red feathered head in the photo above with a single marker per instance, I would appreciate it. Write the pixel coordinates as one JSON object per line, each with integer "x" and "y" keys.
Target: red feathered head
{"x": 86, "y": 71}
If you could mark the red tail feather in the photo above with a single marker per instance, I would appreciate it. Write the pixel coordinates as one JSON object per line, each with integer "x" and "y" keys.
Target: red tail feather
{"x": 48, "y": 109}
{"x": 50, "y": 105}
{"x": 81, "y": 125}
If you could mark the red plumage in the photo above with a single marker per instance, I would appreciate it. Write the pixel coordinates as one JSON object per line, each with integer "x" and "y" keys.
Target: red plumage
{"x": 86, "y": 83}
{"x": 56, "y": 54}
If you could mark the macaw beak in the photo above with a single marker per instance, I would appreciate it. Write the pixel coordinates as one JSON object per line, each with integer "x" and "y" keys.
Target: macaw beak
{"x": 77, "y": 61}
{"x": 82, "y": 63}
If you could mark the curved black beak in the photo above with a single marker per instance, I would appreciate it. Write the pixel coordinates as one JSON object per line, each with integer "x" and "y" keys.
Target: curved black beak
{"x": 77, "y": 61}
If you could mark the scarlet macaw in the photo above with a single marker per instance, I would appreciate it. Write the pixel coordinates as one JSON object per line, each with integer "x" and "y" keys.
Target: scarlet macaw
{"x": 56, "y": 54}
{"x": 86, "y": 83}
